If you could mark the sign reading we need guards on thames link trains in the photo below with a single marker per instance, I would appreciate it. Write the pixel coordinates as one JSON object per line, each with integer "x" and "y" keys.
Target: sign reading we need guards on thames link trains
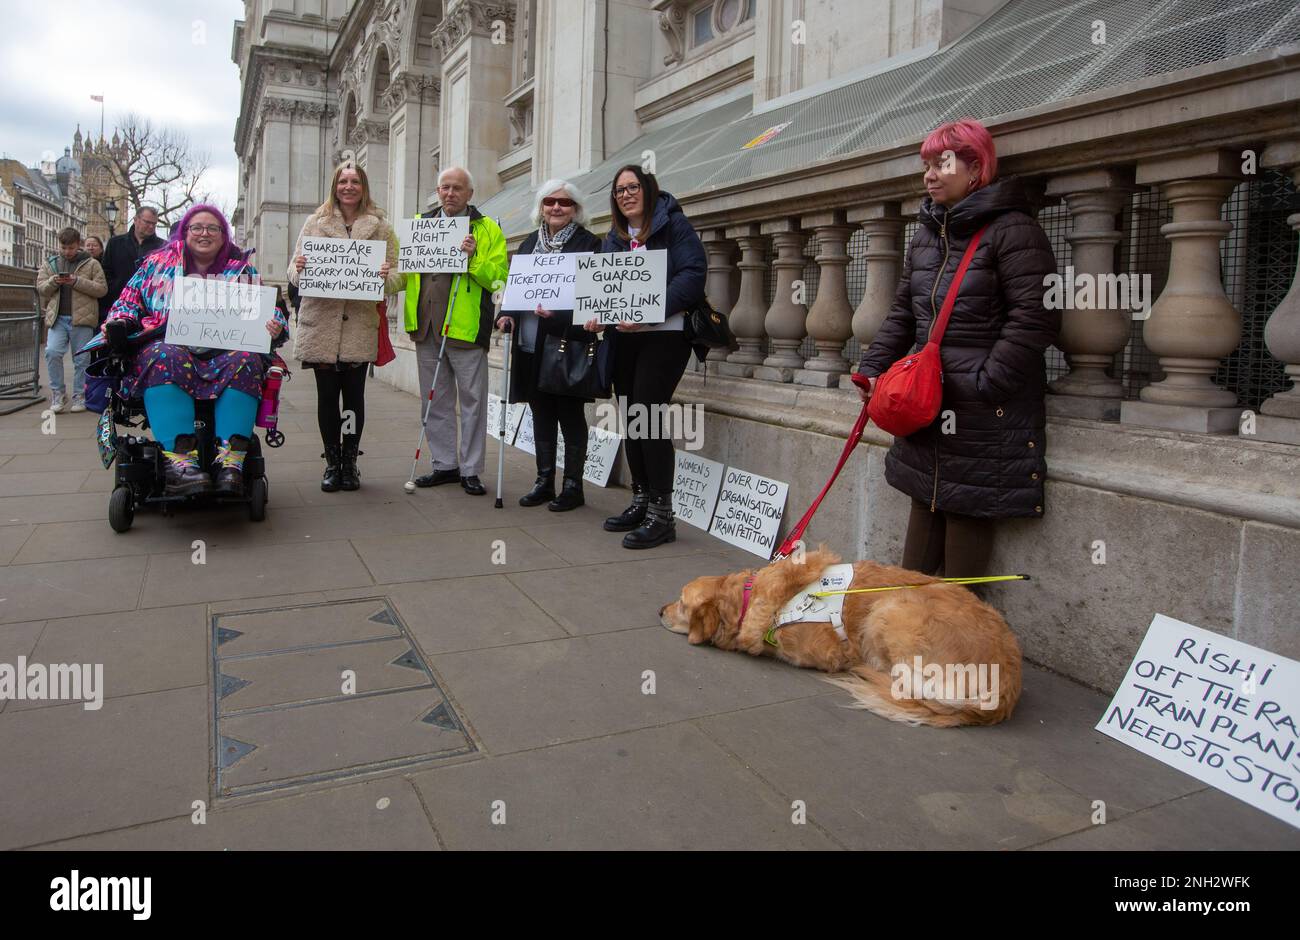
{"x": 1221, "y": 710}
{"x": 621, "y": 287}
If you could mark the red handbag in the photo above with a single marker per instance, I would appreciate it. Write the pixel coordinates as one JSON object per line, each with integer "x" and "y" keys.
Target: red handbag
{"x": 385, "y": 355}
{"x": 907, "y": 397}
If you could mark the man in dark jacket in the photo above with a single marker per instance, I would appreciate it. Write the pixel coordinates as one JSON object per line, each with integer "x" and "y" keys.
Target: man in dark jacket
{"x": 125, "y": 252}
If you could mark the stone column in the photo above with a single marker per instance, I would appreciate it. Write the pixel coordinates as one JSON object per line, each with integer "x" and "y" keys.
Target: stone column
{"x": 883, "y": 223}
{"x": 1192, "y": 324}
{"x": 830, "y": 321}
{"x": 721, "y": 254}
{"x": 1092, "y": 334}
{"x": 751, "y": 306}
{"x": 785, "y": 319}
{"x": 1279, "y": 418}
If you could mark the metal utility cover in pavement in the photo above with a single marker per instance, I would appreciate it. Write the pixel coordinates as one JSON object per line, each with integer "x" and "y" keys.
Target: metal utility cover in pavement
{"x": 281, "y": 717}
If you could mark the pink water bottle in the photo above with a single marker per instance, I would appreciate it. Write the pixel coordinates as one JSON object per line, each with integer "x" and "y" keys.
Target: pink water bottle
{"x": 269, "y": 409}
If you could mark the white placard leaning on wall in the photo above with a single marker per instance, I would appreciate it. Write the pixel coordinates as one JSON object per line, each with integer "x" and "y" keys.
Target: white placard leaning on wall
{"x": 749, "y": 510}
{"x": 695, "y": 488}
{"x": 1223, "y": 711}
{"x": 602, "y": 453}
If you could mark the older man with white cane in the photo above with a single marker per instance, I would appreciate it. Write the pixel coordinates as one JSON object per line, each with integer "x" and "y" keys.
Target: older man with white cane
{"x": 449, "y": 317}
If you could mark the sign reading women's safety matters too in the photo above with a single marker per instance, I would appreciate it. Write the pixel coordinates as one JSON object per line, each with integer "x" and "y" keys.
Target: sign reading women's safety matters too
{"x": 540, "y": 279}
{"x": 342, "y": 268}
{"x": 220, "y": 314}
{"x": 432, "y": 245}
{"x": 1221, "y": 710}
{"x": 695, "y": 488}
{"x": 749, "y": 511}
{"x": 622, "y": 287}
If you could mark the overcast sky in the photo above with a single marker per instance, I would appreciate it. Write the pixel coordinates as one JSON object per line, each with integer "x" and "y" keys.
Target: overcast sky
{"x": 167, "y": 60}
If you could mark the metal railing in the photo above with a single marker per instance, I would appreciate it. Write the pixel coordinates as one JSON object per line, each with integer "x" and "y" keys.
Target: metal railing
{"x": 20, "y": 347}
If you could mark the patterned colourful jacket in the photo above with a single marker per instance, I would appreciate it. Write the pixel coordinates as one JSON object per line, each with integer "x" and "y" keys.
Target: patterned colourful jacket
{"x": 146, "y": 295}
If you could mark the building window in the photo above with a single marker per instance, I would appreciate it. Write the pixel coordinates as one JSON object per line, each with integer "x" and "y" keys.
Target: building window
{"x": 718, "y": 19}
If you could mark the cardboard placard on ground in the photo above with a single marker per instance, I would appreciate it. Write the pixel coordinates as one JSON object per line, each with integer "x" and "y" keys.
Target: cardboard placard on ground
{"x": 1223, "y": 711}
{"x": 621, "y": 287}
{"x": 749, "y": 511}
{"x": 220, "y": 314}
{"x": 431, "y": 246}
{"x": 342, "y": 268}
{"x": 602, "y": 452}
{"x": 546, "y": 279}
{"x": 695, "y": 488}
{"x": 513, "y": 414}
{"x": 524, "y": 429}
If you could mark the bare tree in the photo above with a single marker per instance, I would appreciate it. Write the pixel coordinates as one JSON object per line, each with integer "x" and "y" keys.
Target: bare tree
{"x": 158, "y": 168}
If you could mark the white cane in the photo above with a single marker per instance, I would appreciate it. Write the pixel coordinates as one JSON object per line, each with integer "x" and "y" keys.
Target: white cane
{"x": 409, "y": 485}
{"x": 505, "y": 398}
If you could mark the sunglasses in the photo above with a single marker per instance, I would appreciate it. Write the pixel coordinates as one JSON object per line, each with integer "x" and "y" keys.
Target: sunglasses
{"x": 558, "y": 201}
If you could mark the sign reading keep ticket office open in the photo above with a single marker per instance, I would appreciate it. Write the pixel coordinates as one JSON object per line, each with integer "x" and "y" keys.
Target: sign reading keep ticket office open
{"x": 622, "y": 287}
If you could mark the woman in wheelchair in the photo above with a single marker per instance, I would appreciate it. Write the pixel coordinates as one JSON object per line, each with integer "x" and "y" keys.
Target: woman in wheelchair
{"x": 170, "y": 378}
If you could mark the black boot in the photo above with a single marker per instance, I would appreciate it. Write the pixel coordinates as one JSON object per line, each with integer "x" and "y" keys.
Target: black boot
{"x": 633, "y": 515}
{"x": 544, "y": 489}
{"x": 658, "y": 527}
{"x": 349, "y": 475}
{"x": 333, "y": 468}
{"x": 570, "y": 497}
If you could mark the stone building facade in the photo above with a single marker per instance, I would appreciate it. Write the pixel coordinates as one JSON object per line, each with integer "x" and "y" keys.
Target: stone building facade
{"x": 8, "y": 227}
{"x": 1160, "y": 141}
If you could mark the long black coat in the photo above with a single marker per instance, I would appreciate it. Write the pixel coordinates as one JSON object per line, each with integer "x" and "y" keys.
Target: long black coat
{"x": 993, "y": 464}
{"x": 526, "y": 363}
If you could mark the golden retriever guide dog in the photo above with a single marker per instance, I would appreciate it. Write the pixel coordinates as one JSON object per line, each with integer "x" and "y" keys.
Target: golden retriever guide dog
{"x": 932, "y": 655}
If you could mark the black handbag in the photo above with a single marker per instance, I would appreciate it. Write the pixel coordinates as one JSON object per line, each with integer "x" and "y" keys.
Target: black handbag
{"x": 704, "y": 326}
{"x": 569, "y": 368}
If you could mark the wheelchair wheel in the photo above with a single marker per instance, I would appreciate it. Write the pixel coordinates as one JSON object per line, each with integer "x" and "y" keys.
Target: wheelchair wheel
{"x": 257, "y": 494}
{"x": 121, "y": 509}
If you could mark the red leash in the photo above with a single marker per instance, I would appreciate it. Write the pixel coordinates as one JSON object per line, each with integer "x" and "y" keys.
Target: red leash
{"x": 797, "y": 532}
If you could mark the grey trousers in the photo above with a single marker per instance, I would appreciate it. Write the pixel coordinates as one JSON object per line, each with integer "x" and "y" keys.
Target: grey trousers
{"x": 464, "y": 375}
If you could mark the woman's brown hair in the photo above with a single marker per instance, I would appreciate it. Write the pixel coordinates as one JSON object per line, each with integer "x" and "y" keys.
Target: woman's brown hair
{"x": 649, "y": 193}
{"x": 331, "y": 205}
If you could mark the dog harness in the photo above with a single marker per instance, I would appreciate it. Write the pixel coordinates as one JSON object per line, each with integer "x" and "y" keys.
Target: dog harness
{"x": 822, "y": 601}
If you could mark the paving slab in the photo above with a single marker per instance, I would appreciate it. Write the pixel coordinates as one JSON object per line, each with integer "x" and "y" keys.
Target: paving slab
{"x": 250, "y": 572}
{"x": 278, "y": 624}
{"x": 85, "y": 457}
{"x": 70, "y": 588}
{"x": 43, "y": 482}
{"x": 878, "y": 784}
{"x": 545, "y": 693}
{"x": 378, "y": 815}
{"x": 17, "y": 639}
{"x": 453, "y": 554}
{"x": 19, "y": 442}
{"x": 140, "y": 650}
{"x": 12, "y": 538}
{"x": 138, "y": 759}
{"x": 471, "y": 613}
{"x": 584, "y": 542}
{"x": 54, "y": 507}
{"x": 655, "y": 789}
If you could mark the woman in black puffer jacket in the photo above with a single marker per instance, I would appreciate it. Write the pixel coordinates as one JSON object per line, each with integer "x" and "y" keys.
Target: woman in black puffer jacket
{"x": 990, "y": 464}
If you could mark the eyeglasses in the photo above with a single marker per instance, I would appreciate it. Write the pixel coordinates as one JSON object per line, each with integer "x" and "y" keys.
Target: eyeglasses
{"x": 631, "y": 189}
{"x": 557, "y": 201}
{"x": 203, "y": 229}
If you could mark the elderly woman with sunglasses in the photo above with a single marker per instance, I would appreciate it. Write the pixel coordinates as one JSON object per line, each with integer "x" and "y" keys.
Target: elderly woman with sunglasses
{"x": 558, "y": 214}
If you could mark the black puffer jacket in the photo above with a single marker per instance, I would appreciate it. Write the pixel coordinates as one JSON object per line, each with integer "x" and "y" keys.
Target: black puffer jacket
{"x": 992, "y": 464}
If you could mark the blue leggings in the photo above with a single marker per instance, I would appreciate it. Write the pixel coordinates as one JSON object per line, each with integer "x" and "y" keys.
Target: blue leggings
{"x": 171, "y": 413}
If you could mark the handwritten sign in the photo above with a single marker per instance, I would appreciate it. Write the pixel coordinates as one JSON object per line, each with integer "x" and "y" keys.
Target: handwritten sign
{"x": 220, "y": 314}
{"x": 623, "y": 287}
{"x": 602, "y": 452}
{"x": 432, "y": 246}
{"x": 342, "y": 268}
{"x": 1223, "y": 711}
{"x": 749, "y": 511}
{"x": 514, "y": 414}
{"x": 695, "y": 488}
{"x": 524, "y": 432}
{"x": 541, "y": 279}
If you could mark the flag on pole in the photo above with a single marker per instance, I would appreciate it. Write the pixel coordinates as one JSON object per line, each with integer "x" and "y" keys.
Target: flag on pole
{"x": 99, "y": 98}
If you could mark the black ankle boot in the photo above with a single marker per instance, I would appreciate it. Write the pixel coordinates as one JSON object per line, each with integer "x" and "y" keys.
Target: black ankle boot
{"x": 633, "y": 515}
{"x": 658, "y": 527}
{"x": 349, "y": 475}
{"x": 570, "y": 497}
{"x": 543, "y": 490}
{"x": 333, "y": 477}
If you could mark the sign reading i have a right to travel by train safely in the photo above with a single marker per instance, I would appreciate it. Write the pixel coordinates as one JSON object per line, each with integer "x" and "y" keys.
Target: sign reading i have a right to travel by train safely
{"x": 1221, "y": 710}
{"x": 621, "y": 287}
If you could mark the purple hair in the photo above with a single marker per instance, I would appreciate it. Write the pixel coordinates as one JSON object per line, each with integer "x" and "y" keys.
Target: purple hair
{"x": 229, "y": 250}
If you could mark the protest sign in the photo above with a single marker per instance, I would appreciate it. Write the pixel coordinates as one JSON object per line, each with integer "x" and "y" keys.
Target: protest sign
{"x": 342, "y": 268}
{"x": 623, "y": 287}
{"x": 220, "y": 314}
{"x": 749, "y": 511}
{"x": 540, "y": 279}
{"x": 1223, "y": 711}
{"x": 695, "y": 488}
{"x": 431, "y": 246}
{"x": 513, "y": 414}
{"x": 524, "y": 431}
{"x": 602, "y": 451}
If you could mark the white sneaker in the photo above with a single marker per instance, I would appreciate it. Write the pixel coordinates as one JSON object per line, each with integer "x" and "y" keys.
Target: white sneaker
{"x": 78, "y": 403}
{"x": 59, "y": 403}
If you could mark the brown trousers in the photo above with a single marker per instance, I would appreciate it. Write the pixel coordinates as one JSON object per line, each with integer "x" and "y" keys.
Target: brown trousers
{"x": 947, "y": 544}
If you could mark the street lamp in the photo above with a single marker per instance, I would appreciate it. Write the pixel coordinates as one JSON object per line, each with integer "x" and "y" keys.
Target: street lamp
{"x": 110, "y": 213}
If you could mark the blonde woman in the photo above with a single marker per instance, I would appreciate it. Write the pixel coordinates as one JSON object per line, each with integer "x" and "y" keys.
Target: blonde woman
{"x": 338, "y": 339}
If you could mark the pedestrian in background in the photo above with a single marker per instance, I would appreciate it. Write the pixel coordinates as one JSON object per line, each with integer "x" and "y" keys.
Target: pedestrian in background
{"x": 71, "y": 284}
{"x": 123, "y": 254}
{"x": 95, "y": 248}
